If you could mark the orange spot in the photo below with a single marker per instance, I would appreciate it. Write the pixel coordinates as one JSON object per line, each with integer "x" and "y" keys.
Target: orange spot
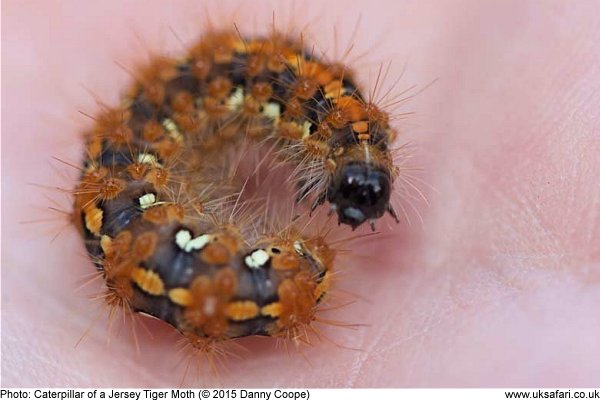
{"x": 180, "y": 296}
{"x": 272, "y": 310}
{"x": 93, "y": 219}
{"x": 148, "y": 281}
{"x": 241, "y": 310}
{"x": 360, "y": 127}
{"x": 106, "y": 244}
{"x": 333, "y": 89}
{"x": 353, "y": 109}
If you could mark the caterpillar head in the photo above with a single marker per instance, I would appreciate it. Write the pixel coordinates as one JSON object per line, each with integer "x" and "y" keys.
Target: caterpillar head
{"x": 360, "y": 191}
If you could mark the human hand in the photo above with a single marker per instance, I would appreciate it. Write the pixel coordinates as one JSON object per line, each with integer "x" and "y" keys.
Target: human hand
{"x": 499, "y": 286}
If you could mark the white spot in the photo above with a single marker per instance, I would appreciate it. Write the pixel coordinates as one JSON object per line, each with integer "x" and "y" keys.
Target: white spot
{"x": 147, "y": 200}
{"x": 272, "y": 111}
{"x": 169, "y": 125}
{"x": 198, "y": 243}
{"x": 257, "y": 259}
{"x": 210, "y": 304}
{"x": 182, "y": 238}
{"x": 306, "y": 129}
{"x": 236, "y": 100}
{"x": 298, "y": 247}
{"x": 184, "y": 241}
{"x": 172, "y": 128}
{"x": 150, "y": 159}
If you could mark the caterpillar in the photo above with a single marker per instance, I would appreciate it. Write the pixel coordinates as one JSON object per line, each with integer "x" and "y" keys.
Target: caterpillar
{"x": 152, "y": 196}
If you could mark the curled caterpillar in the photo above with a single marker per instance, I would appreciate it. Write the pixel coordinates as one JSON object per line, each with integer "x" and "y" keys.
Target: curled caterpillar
{"x": 148, "y": 200}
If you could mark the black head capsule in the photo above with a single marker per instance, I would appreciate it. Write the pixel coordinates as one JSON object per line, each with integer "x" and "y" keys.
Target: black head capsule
{"x": 359, "y": 192}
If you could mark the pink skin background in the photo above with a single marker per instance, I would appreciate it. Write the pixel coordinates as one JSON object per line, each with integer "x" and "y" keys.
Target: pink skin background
{"x": 500, "y": 284}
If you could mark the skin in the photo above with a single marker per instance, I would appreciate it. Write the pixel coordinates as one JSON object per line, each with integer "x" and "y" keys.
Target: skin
{"x": 498, "y": 286}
